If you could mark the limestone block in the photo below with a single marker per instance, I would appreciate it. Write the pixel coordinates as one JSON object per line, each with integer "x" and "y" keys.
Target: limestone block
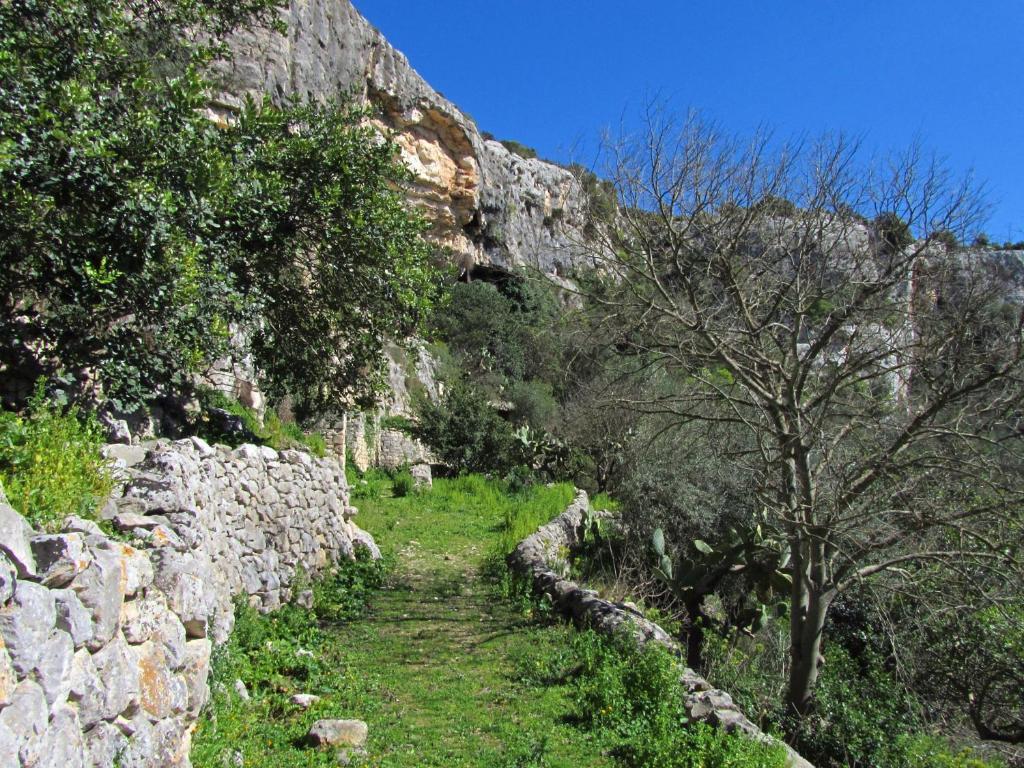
{"x": 87, "y": 690}
{"x": 26, "y": 716}
{"x": 15, "y": 537}
{"x": 62, "y": 744}
{"x": 118, "y": 674}
{"x": 105, "y": 744}
{"x": 9, "y": 743}
{"x": 60, "y": 557}
{"x": 140, "y": 618}
{"x": 159, "y": 694}
{"x": 188, "y": 582}
{"x": 100, "y": 589}
{"x": 53, "y": 670}
{"x": 195, "y": 672}
{"x": 26, "y": 623}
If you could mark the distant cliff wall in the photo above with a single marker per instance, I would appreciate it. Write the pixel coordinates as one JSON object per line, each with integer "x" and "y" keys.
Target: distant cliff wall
{"x": 490, "y": 206}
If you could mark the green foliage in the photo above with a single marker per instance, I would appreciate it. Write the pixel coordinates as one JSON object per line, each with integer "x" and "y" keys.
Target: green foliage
{"x": 466, "y": 432}
{"x": 402, "y": 484}
{"x": 761, "y": 560}
{"x": 776, "y": 206}
{"x": 50, "y": 462}
{"x": 636, "y": 695}
{"x": 892, "y": 231}
{"x": 529, "y": 153}
{"x": 134, "y": 231}
{"x": 273, "y": 432}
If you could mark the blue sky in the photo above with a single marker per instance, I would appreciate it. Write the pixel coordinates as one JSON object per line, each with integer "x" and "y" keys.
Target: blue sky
{"x": 554, "y": 74}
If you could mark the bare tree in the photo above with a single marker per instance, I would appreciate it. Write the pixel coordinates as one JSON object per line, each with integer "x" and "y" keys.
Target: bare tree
{"x": 807, "y": 298}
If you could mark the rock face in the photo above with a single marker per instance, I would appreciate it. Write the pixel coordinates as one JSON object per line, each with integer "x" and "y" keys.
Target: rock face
{"x": 105, "y": 646}
{"x": 490, "y": 206}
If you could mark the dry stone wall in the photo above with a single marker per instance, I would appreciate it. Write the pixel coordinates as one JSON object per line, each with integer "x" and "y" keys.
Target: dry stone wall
{"x": 105, "y": 643}
{"x": 541, "y": 557}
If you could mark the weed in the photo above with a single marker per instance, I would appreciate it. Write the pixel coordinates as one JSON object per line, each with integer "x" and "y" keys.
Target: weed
{"x": 50, "y": 462}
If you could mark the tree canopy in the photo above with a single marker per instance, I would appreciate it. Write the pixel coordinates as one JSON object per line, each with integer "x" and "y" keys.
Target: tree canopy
{"x": 137, "y": 234}
{"x": 865, "y": 382}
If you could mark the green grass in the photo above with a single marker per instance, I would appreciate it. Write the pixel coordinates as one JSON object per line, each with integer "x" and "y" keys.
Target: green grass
{"x": 50, "y": 463}
{"x": 443, "y": 669}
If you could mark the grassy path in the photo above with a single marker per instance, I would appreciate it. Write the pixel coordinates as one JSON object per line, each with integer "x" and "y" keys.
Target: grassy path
{"x": 445, "y": 671}
{"x": 452, "y": 656}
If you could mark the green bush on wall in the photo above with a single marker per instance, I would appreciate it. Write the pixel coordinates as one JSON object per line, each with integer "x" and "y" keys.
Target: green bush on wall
{"x": 50, "y": 462}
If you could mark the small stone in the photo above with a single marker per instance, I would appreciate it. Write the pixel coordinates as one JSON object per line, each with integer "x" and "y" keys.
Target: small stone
{"x": 8, "y": 579}
{"x": 15, "y": 537}
{"x": 304, "y": 700}
{"x": 26, "y": 623}
{"x": 338, "y": 733}
{"x": 241, "y": 690}
{"x": 196, "y": 672}
{"x": 76, "y": 524}
{"x": 60, "y": 557}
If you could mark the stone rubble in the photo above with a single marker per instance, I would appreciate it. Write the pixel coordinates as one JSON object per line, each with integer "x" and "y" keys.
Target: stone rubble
{"x": 105, "y": 645}
{"x": 541, "y": 557}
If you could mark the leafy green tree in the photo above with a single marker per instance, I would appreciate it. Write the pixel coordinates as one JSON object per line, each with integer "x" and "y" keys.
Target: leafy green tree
{"x": 135, "y": 233}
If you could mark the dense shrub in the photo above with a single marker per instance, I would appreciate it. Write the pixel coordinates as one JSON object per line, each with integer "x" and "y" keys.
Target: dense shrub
{"x": 402, "y": 484}
{"x": 636, "y": 695}
{"x": 273, "y": 431}
{"x": 466, "y": 432}
{"x": 50, "y": 462}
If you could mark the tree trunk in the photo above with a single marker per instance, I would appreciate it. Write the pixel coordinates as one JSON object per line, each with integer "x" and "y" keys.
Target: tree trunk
{"x": 806, "y": 626}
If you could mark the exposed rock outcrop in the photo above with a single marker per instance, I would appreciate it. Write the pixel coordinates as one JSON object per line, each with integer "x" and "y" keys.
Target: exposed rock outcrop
{"x": 489, "y": 205}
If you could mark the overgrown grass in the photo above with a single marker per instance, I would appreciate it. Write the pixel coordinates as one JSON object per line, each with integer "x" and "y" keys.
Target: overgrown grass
{"x": 272, "y": 432}
{"x": 276, "y": 656}
{"x": 635, "y": 697}
{"x": 50, "y": 463}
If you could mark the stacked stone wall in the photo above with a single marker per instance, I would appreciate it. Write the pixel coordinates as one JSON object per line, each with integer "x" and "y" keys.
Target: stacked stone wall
{"x": 105, "y": 643}
{"x": 541, "y": 557}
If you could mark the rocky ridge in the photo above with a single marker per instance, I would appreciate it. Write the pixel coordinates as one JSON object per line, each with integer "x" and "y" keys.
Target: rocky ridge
{"x": 490, "y": 206}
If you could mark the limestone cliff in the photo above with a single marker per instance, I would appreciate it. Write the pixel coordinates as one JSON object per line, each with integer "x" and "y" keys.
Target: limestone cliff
{"x": 490, "y": 206}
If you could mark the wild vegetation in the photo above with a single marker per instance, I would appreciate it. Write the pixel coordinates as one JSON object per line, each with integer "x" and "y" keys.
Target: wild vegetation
{"x": 446, "y": 659}
{"x": 138, "y": 236}
{"x": 800, "y": 385}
